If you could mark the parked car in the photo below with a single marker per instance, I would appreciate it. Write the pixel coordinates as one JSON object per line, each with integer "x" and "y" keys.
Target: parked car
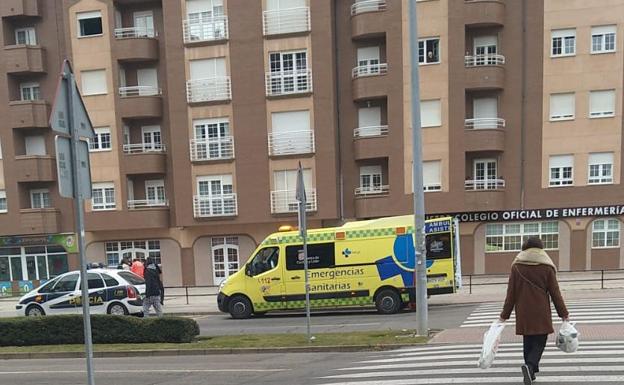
{"x": 110, "y": 292}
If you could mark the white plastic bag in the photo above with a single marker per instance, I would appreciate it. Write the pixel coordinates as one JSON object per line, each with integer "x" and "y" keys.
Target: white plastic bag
{"x": 567, "y": 338}
{"x": 491, "y": 339}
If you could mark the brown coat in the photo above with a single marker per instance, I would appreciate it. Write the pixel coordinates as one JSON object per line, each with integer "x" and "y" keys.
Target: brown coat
{"x": 529, "y": 291}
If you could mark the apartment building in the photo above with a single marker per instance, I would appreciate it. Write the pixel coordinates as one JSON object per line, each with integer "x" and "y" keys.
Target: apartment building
{"x": 203, "y": 110}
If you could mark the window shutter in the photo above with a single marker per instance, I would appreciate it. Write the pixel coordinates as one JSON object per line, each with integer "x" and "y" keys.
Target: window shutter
{"x": 368, "y": 53}
{"x": 562, "y": 106}
{"x": 370, "y": 170}
{"x": 558, "y": 161}
{"x": 431, "y": 172}
{"x": 430, "y": 113}
{"x": 207, "y": 68}
{"x": 563, "y": 32}
{"x": 604, "y": 29}
{"x": 601, "y": 158}
{"x": 93, "y": 82}
{"x": 290, "y": 121}
{"x": 484, "y": 41}
{"x": 198, "y": 6}
{"x": 485, "y": 108}
{"x": 369, "y": 117}
{"x": 88, "y": 15}
{"x": 602, "y": 103}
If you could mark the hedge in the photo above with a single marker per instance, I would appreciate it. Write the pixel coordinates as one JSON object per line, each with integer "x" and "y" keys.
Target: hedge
{"x": 105, "y": 329}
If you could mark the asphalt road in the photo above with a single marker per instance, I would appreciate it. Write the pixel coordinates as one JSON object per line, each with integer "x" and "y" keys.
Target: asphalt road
{"x": 440, "y": 317}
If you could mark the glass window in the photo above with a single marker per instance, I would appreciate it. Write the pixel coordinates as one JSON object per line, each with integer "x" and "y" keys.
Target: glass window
{"x": 66, "y": 283}
{"x": 47, "y": 287}
{"x": 561, "y": 167}
{"x": 320, "y": 256}
{"x": 509, "y": 237}
{"x": 95, "y": 281}
{"x": 265, "y": 260}
{"x": 131, "y": 278}
{"x": 25, "y": 36}
{"x": 429, "y": 50}
{"x": 57, "y": 264}
{"x": 603, "y": 39}
{"x": 16, "y": 268}
{"x": 89, "y": 23}
{"x": 110, "y": 281}
{"x": 600, "y": 168}
{"x": 563, "y": 42}
{"x": 103, "y": 196}
{"x": 605, "y": 233}
{"x": 3, "y": 202}
{"x": 5, "y": 270}
{"x": 40, "y": 198}
{"x": 30, "y": 91}
{"x": 102, "y": 140}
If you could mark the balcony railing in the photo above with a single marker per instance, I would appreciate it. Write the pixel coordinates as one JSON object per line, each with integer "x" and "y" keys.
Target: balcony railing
{"x": 134, "y": 32}
{"x": 288, "y": 82}
{"x": 484, "y": 60}
{"x": 484, "y": 184}
{"x": 215, "y": 206}
{"x": 369, "y": 70}
{"x": 291, "y": 143}
{"x": 212, "y": 29}
{"x": 212, "y": 149}
{"x": 290, "y": 20}
{"x": 484, "y": 123}
{"x": 208, "y": 90}
{"x": 140, "y": 148}
{"x": 128, "y": 91}
{"x": 372, "y": 190}
{"x": 368, "y": 6}
{"x": 147, "y": 203}
{"x": 285, "y": 201}
{"x": 370, "y": 131}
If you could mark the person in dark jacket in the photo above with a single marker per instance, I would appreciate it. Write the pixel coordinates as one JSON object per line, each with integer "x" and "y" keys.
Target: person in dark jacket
{"x": 532, "y": 283}
{"x": 153, "y": 288}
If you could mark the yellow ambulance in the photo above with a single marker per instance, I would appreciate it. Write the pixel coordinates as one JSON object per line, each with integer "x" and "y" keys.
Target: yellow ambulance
{"x": 361, "y": 263}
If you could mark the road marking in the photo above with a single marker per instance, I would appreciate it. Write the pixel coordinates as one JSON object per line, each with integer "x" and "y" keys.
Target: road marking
{"x": 503, "y": 344}
{"x": 51, "y": 372}
{"x": 488, "y": 380}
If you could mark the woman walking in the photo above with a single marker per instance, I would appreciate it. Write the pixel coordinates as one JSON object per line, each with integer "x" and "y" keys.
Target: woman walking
{"x": 532, "y": 282}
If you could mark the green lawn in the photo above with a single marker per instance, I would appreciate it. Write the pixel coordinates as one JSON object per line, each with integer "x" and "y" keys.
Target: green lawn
{"x": 369, "y": 339}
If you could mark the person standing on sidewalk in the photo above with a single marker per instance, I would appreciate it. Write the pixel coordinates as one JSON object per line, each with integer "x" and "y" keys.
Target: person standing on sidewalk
{"x": 532, "y": 282}
{"x": 153, "y": 288}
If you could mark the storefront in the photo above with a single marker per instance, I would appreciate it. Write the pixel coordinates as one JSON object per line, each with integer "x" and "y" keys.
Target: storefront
{"x": 26, "y": 262}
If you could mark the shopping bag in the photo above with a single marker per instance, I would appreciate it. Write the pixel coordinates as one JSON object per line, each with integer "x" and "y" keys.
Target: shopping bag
{"x": 567, "y": 338}
{"x": 491, "y": 339}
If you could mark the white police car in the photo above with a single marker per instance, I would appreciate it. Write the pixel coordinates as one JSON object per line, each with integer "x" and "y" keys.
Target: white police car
{"x": 110, "y": 292}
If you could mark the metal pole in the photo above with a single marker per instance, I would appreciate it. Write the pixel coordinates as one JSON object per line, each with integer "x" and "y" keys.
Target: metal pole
{"x": 470, "y": 285}
{"x": 307, "y": 285}
{"x": 417, "y": 174}
{"x": 79, "y": 217}
{"x": 602, "y": 279}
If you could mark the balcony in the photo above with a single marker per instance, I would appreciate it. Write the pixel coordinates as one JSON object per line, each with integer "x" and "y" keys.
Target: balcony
{"x": 285, "y": 201}
{"x": 144, "y": 159}
{"x": 136, "y": 44}
{"x": 39, "y": 221}
{"x": 370, "y": 132}
{"x": 286, "y": 21}
{"x": 485, "y": 134}
{"x": 286, "y": 83}
{"x": 217, "y": 149}
{"x": 484, "y": 72}
{"x": 484, "y": 200}
{"x": 137, "y": 204}
{"x": 28, "y": 114}
{"x": 371, "y": 147}
{"x": 209, "y": 90}
{"x": 374, "y": 205}
{"x": 291, "y": 143}
{"x": 484, "y": 123}
{"x": 369, "y": 81}
{"x": 140, "y": 102}
{"x": 213, "y": 29}
{"x": 35, "y": 168}
{"x": 19, "y": 8}
{"x": 215, "y": 206}
{"x": 484, "y": 13}
{"x": 372, "y": 190}
{"x": 366, "y": 19}
{"x": 138, "y": 218}
{"x": 484, "y": 184}
{"x": 24, "y": 59}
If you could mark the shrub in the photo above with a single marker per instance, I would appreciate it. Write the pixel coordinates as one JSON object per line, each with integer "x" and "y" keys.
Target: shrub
{"x": 105, "y": 329}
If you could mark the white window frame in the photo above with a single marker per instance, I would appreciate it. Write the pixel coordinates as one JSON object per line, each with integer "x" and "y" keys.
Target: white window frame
{"x": 38, "y": 198}
{"x": 105, "y": 205}
{"x": 373, "y": 175}
{"x": 95, "y": 144}
{"x": 224, "y": 245}
{"x": 34, "y": 91}
{"x": 605, "y": 229}
{"x": 604, "y": 169}
{"x": 562, "y": 35}
{"x": 607, "y": 113}
{"x": 88, "y": 15}
{"x": 560, "y": 181}
{"x": 603, "y": 32}
{"x": 515, "y": 234}
{"x": 558, "y": 117}
{"x": 30, "y": 36}
{"x": 422, "y": 45}
{"x": 4, "y": 208}
{"x": 158, "y": 187}
{"x": 102, "y": 91}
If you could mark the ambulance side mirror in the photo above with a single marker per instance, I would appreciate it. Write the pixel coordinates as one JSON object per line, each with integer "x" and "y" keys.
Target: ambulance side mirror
{"x": 248, "y": 270}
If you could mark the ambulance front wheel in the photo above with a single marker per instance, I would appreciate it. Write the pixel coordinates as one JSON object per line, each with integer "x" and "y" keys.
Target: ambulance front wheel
{"x": 240, "y": 307}
{"x": 388, "y": 301}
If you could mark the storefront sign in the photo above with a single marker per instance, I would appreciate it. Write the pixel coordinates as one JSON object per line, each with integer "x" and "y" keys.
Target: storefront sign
{"x": 537, "y": 214}
{"x": 68, "y": 241}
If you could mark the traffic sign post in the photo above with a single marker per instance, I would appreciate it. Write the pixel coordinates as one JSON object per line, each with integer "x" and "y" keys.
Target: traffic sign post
{"x": 70, "y": 119}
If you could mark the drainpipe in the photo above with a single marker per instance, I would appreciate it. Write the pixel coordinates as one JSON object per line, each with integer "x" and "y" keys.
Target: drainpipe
{"x": 523, "y": 106}
{"x": 337, "y": 112}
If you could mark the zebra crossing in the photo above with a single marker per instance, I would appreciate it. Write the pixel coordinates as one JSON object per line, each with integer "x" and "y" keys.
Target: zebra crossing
{"x": 597, "y": 362}
{"x": 587, "y": 311}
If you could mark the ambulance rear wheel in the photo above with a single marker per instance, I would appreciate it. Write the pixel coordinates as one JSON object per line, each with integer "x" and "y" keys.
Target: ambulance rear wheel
{"x": 240, "y": 307}
{"x": 388, "y": 301}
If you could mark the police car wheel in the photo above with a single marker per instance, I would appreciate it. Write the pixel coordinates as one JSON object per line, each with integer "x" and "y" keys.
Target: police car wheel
{"x": 240, "y": 307}
{"x": 117, "y": 309}
{"x": 388, "y": 302}
{"x": 34, "y": 311}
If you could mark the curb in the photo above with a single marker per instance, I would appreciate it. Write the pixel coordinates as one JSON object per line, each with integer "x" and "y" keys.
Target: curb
{"x": 206, "y": 352}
